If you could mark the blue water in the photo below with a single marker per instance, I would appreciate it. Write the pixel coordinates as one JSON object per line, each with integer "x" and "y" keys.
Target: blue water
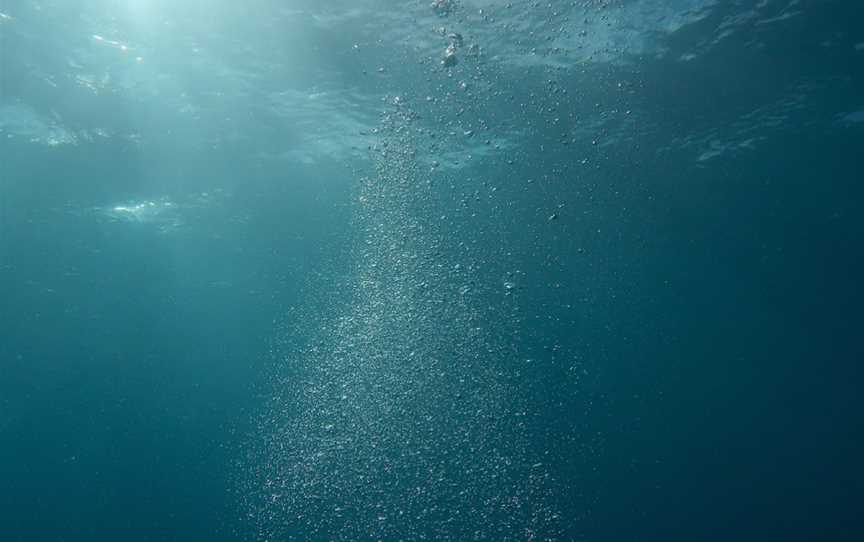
{"x": 414, "y": 270}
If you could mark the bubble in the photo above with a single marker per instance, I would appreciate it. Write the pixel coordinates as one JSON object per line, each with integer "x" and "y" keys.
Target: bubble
{"x": 450, "y": 58}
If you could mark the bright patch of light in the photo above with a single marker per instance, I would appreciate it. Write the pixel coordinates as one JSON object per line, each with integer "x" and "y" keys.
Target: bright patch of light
{"x": 112, "y": 43}
{"x": 146, "y": 211}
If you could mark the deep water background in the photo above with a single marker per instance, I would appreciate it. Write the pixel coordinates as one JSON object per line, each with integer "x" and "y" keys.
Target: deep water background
{"x": 662, "y": 235}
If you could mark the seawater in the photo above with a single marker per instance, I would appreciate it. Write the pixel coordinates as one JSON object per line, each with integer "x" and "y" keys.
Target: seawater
{"x": 450, "y": 270}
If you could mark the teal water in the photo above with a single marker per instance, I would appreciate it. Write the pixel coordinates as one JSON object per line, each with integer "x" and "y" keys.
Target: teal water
{"x": 473, "y": 270}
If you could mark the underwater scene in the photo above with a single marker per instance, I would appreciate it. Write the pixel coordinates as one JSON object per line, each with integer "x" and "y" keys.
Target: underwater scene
{"x": 406, "y": 270}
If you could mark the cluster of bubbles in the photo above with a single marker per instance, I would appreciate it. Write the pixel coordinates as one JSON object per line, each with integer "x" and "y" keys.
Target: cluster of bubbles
{"x": 399, "y": 418}
{"x": 443, "y": 8}
{"x": 395, "y": 421}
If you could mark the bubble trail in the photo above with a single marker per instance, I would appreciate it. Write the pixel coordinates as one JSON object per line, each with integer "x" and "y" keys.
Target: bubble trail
{"x": 395, "y": 422}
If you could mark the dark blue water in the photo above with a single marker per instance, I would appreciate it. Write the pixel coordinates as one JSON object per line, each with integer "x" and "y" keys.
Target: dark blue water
{"x": 380, "y": 270}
